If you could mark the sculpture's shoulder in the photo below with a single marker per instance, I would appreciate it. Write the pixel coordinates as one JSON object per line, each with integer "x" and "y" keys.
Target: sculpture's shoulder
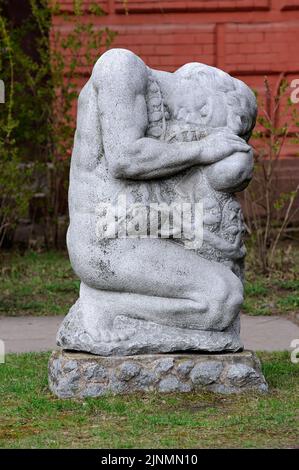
{"x": 118, "y": 68}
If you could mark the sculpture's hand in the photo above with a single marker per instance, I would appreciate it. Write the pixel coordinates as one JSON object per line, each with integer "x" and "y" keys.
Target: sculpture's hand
{"x": 221, "y": 144}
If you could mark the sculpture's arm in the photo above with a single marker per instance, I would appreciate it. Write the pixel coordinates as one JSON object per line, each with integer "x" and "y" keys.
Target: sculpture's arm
{"x": 120, "y": 78}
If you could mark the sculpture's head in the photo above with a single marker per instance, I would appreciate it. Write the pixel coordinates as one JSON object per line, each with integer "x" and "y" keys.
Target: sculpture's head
{"x": 218, "y": 100}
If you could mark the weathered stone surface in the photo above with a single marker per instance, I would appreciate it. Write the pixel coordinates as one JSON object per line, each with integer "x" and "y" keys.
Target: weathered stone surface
{"x": 185, "y": 367}
{"x": 173, "y": 140}
{"x": 79, "y": 375}
{"x": 129, "y": 370}
{"x": 241, "y": 374}
{"x": 169, "y": 384}
{"x": 206, "y": 373}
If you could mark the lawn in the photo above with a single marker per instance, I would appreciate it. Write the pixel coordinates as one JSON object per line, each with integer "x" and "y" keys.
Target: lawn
{"x": 44, "y": 284}
{"x": 30, "y": 417}
{"x": 36, "y": 283}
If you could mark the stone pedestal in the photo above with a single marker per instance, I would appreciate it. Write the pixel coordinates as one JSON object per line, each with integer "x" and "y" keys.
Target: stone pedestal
{"x": 79, "y": 375}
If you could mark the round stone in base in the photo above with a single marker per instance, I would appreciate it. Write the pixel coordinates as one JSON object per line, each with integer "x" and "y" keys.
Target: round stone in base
{"x": 79, "y": 375}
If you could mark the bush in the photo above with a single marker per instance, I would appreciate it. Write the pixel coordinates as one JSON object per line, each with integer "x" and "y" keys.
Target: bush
{"x": 40, "y": 67}
{"x": 268, "y": 210}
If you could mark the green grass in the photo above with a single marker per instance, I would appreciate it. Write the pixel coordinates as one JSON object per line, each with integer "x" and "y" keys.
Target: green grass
{"x": 44, "y": 284}
{"x": 36, "y": 284}
{"x": 271, "y": 296}
{"x": 30, "y": 417}
{"x": 277, "y": 293}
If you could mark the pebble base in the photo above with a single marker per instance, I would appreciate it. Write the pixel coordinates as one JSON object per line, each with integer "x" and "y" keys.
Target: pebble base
{"x": 79, "y": 375}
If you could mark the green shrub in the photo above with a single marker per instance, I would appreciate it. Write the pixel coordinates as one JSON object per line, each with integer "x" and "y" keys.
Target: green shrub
{"x": 40, "y": 67}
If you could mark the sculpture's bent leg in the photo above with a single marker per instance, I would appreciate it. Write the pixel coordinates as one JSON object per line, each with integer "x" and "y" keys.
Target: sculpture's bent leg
{"x": 100, "y": 308}
{"x": 154, "y": 280}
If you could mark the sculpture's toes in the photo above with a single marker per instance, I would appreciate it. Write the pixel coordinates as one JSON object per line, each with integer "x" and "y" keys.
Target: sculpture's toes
{"x": 105, "y": 336}
{"x": 114, "y": 336}
{"x": 124, "y": 335}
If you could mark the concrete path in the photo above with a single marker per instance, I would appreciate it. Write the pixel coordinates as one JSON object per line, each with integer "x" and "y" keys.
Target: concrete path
{"x": 264, "y": 333}
{"x": 25, "y": 334}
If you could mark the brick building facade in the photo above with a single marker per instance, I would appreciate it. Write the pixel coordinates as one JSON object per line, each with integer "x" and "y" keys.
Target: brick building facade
{"x": 247, "y": 38}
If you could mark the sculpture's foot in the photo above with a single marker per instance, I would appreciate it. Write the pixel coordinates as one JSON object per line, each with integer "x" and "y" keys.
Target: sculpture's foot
{"x": 106, "y": 336}
{"x": 86, "y": 326}
{"x": 98, "y": 323}
{"x": 124, "y": 336}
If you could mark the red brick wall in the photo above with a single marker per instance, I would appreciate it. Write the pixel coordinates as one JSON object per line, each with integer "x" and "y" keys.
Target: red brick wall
{"x": 244, "y": 37}
{"x": 251, "y": 39}
{"x": 247, "y": 38}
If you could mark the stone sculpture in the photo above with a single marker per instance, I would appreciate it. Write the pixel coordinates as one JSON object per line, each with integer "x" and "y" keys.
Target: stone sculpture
{"x": 156, "y": 139}
{"x": 155, "y": 232}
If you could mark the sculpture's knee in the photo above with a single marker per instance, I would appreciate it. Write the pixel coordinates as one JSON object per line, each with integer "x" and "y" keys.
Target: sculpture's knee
{"x": 225, "y": 302}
